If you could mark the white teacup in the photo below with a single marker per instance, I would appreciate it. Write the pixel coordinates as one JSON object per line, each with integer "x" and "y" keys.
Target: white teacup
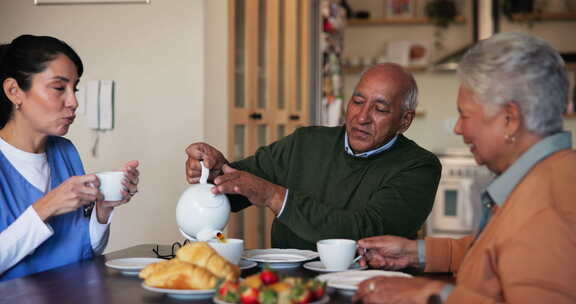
{"x": 111, "y": 185}
{"x": 336, "y": 254}
{"x": 231, "y": 249}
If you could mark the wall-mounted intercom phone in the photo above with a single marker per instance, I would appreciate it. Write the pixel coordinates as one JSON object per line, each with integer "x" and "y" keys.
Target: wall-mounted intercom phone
{"x": 96, "y": 101}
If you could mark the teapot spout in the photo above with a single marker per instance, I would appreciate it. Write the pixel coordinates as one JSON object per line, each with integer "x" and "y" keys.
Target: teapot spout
{"x": 207, "y": 234}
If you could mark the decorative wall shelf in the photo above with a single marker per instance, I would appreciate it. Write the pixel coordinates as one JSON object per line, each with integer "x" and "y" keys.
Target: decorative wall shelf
{"x": 360, "y": 69}
{"x": 398, "y": 21}
{"x": 570, "y": 16}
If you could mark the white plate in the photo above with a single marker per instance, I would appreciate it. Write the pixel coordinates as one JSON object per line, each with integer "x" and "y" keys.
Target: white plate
{"x": 280, "y": 258}
{"x": 319, "y": 267}
{"x": 245, "y": 264}
{"x": 131, "y": 266}
{"x": 183, "y": 294}
{"x": 324, "y": 300}
{"x": 349, "y": 280}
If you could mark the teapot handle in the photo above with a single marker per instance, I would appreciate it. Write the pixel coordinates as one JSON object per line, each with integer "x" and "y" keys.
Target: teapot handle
{"x": 205, "y": 173}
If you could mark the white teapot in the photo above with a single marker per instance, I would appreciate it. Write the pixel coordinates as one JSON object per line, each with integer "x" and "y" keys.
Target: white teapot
{"x": 200, "y": 214}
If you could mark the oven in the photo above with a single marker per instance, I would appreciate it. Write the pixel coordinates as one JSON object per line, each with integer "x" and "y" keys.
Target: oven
{"x": 457, "y": 209}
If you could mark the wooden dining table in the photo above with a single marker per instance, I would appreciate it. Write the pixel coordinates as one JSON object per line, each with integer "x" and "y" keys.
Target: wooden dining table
{"x": 91, "y": 281}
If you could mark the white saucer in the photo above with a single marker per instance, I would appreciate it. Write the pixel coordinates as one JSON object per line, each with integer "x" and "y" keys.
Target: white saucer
{"x": 245, "y": 264}
{"x": 319, "y": 267}
{"x": 183, "y": 294}
{"x": 349, "y": 280}
{"x": 131, "y": 266}
{"x": 280, "y": 258}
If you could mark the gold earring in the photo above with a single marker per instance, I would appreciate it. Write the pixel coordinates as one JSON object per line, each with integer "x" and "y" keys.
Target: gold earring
{"x": 17, "y": 106}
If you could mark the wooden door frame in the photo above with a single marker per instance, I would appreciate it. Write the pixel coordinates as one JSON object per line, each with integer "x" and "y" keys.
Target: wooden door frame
{"x": 254, "y": 223}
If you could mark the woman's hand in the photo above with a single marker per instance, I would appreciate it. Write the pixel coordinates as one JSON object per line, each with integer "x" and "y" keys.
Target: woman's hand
{"x": 389, "y": 252}
{"x": 130, "y": 183}
{"x": 397, "y": 290}
{"x": 72, "y": 194}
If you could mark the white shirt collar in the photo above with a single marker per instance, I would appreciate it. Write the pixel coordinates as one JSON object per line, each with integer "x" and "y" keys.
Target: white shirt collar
{"x": 382, "y": 148}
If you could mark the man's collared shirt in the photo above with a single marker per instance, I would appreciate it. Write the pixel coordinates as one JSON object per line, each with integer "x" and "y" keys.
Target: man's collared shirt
{"x": 385, "y": 147}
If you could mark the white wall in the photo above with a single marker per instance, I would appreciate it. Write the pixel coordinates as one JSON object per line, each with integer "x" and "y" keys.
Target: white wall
{"x": 216, "y": 72}
{"x": 156, "y": 55}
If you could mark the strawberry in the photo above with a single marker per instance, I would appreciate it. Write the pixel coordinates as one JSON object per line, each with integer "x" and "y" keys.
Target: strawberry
{"x": 268, "y": 276}
{"x": 301, "y": 295}
{"x": 318, "y": 289}
{"x": 228, "y": 292}
{"x": 249, "y": 295}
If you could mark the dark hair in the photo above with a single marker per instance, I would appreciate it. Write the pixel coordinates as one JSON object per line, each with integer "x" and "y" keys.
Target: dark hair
{"x": 25, "y": 56}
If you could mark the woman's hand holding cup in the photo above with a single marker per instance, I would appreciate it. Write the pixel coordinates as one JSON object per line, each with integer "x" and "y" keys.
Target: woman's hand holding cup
{"x": 117, "y": 187}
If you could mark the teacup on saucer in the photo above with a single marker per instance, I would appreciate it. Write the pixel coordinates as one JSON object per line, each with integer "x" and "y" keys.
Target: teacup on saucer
{"x": 337, "y": 254}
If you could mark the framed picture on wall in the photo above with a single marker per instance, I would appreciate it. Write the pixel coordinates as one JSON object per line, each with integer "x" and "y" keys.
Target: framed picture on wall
{"x": 55, "y": 2}
{"x": 396, "y": 9}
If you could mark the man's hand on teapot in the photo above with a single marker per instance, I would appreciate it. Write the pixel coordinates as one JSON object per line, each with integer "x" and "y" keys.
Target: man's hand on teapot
{"x": 259, "y": 191}
{"x": 397, "y": 290}
{"x": 213, "y": 160}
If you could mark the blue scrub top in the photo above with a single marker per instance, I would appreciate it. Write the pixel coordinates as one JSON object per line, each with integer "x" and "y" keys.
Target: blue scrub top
{"x": 71, "y": 239}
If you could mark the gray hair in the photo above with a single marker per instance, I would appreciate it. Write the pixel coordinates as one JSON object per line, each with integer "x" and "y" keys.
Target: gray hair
{"x": 519, "y": 68}
{"x": 411, "y": 96}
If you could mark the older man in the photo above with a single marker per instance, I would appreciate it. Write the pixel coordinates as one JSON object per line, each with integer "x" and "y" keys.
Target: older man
{"x": 359, "y": 180}
{"x": 513, "y": 92}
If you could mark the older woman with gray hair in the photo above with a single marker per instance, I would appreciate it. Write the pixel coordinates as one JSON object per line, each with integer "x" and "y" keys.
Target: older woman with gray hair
{"x": 512, "y": 95}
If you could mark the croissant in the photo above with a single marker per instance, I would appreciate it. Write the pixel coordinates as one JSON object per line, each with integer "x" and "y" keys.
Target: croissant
{"x": 175, "y": 274}
{"x": 151, "y": 268}
{"x": 201, "y": 254}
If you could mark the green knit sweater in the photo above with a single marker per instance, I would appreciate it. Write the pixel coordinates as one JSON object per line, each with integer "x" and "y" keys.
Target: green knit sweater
{"x": 334, "y": 195}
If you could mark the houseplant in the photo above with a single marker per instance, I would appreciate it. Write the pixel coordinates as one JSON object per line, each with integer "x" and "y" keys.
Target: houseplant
{"x": 523, "y": 10}
{"x": 442, "y": 13}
